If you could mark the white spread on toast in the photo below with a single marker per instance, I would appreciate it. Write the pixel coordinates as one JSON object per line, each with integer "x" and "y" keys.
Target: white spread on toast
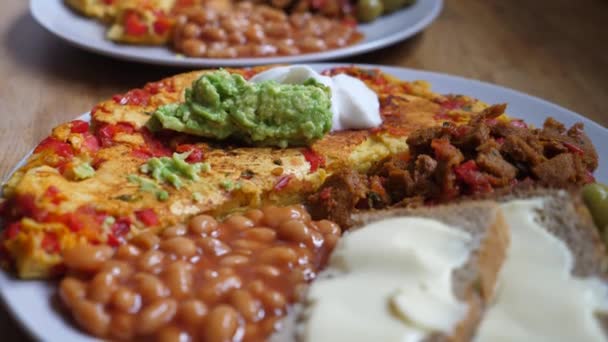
{"x": 353, "y": 104}
{"x": 537, "y": 297}
{"x": 389, "y": 281}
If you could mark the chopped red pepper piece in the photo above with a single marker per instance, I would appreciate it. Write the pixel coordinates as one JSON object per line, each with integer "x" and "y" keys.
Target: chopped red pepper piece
{"x": 50, "y": 243}
{"x": 147, "y": 216}
{"x": 469, "y": 174}
{"x": 134, "y": 25}
{"x": 58, "y": 147}
{"x": 136, "y": 97}
{"x": 12, "y": 230}
{"x": 90, "y": 143}
{"x": 282, "y": 182}
{"x": 53, "y": 194}
{"x": 162, "y": 25}
{"x": 196, "y": 154}
{"x": 107, "y": 132}
{"x": 314, "y": 159}
{"x": 574, "y": 148}
{"x": 79, "y": 126}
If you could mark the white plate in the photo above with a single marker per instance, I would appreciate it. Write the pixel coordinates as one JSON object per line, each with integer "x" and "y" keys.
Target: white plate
{"x": 29, "y": 300}
{"x": 58, "y": 19}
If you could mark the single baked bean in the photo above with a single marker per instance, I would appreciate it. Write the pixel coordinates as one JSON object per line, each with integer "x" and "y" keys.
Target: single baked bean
{"x": 255, "y": 215}
{"x": 287, "y": 48}
{"x": 202, "y": 224}
{"x": 125, "y": 300}
{"x": 239, "y": 222}
{"x": 223, "y": 324}
{"x": 317, "y": 238}
{"x": 149, "y": 287}
{"x": 213, "y": 33}
{"x": 194, "y": 47}
{"x": 180, "y": 246}
{"x": 71, "y": 290}
{"x": 245, "y": 244}
{"x": 256, "y": 287}
{"x": 267, "y": 271}
{"x": 122, "y": 326}
{"x": 249, "y": 307}
{"x": 273, "y": 216}
{"x": 178, "y": 277}
{"x": 237, "y": 38}
{"x": 328, "y": 227}
{"x": 255, "y": 33}
{"x": 252, "y": 331}
{"x": 102, "y": 287}
{"x": 274, "y": 299}
{"x": 119, "y": 269}
{"x": 278, "y": 256}
{"x": 310, "y": 44}
{"x": 217, "y": 289}
{"x": 127, "y": 252}
{"x": 304, "y": 215}
{"x": 261, "y": 234}
{"x": 295, "y": 231}
{"x": 173, "y": 334}
{"x": 202, "y": 17}
{"x": 277, "y": 29}
{"x": 146, "y": 240}
{"x": 192, "y": 312}
{"x": 155, "y": 315}
{"x": 264, "y": 50}
{"x": 331, "y": 241}
{"x": 87, "y": 258}
{"x": 150, "y": 260}
{"x": 213, "y": 246}
{"x": 234, "y": 260}
{"x": 91, "y": 316}
{"x": 175, "y": 231}
{"x": 272, "y": 14}
{"x": 191, "y": 30}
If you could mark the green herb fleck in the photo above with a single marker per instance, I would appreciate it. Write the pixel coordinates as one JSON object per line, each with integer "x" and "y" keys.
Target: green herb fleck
{"x": 278, "y": 162}
{"x": 83, "y": 171}
{"x": 148, "y": 185}
{"x": 173, "y": 170}
{"x": 197, "y": 196}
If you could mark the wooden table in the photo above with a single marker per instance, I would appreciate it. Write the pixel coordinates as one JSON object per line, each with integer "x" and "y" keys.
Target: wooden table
{"x": 554, "y": 49}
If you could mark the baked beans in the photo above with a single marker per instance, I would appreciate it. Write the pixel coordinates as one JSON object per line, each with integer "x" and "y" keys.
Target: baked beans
{"x": 257, "y": 30}
{"x": 204, "y": 281}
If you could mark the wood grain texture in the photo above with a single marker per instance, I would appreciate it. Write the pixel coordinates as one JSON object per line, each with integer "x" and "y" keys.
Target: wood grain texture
{"x": 553, "y": 49}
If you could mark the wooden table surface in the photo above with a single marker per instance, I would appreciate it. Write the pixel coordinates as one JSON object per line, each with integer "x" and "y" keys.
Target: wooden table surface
{"x": 553, "y": 49}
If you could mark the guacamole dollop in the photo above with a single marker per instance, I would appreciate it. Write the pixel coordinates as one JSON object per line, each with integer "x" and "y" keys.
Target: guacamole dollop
{"x": 221, "y": 105}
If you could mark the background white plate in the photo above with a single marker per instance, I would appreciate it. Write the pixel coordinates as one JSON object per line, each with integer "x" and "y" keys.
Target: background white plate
{"x": 29, "y": 300}
{"x": 86, "y": 33}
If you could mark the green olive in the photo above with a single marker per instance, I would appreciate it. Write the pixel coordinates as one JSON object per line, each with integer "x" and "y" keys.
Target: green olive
{"x": 596, "y": 198}
{"x": 392, "y": 5}
{"x": 368, "y": 10}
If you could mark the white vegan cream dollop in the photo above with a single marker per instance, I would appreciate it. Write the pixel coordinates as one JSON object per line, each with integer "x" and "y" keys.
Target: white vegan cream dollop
{"x": 353, "y": 104}
{"x": 389, "y": 281}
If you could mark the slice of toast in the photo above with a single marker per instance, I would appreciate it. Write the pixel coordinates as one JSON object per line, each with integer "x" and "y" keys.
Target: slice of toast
{"x": 563, "y": 215}
{"x": 472, "y": 283}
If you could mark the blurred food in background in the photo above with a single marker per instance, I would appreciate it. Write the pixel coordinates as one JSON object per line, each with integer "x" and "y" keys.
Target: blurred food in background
{"x": 233, "y": 28}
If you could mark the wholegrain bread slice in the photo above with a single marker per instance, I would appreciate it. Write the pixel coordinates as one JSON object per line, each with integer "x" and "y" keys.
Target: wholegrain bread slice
{"x": 473, "y": 283}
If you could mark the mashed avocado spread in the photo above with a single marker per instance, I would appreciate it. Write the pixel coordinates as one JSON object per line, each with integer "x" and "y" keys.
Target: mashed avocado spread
{"x": 221, "y": 105}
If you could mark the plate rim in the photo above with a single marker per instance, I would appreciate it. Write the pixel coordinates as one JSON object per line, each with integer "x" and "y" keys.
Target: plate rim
{"x": 185, "y": 62}
{"x": 28, "y": 325}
